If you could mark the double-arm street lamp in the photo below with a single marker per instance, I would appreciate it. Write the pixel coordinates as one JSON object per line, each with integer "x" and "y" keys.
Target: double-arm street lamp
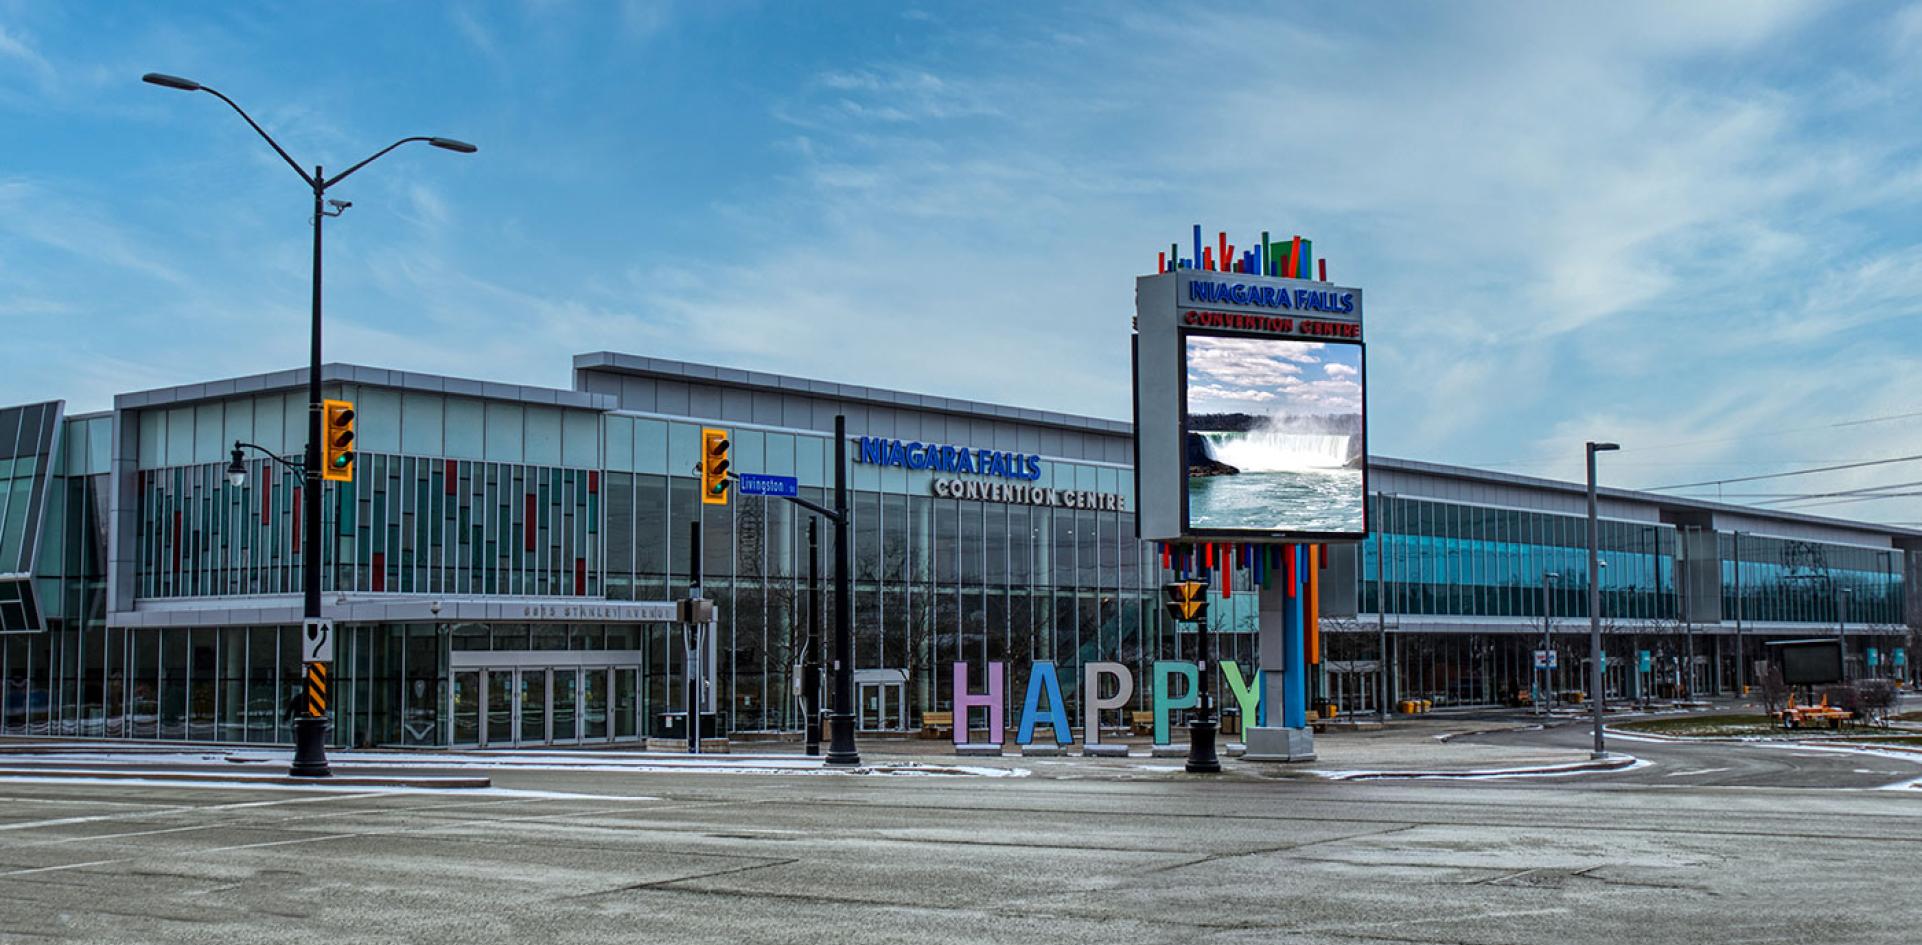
{"x": 310, "y": 729}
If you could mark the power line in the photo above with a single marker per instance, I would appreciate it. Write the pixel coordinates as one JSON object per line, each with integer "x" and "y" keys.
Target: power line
{"x": 1730, "y": 439}
{"x": 1866, "y": 491}
{"x": 1798, "y": 472}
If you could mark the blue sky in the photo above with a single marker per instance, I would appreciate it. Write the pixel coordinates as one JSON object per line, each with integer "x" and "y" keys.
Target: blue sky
{"x": 1689, "y": 228}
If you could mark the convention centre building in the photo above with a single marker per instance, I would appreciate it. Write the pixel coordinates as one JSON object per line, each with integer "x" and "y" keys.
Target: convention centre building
{"x": 502, "y": 565}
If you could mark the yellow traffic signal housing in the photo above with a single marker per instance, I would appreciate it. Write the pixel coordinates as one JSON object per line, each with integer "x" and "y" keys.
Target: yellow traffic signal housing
{"x": 337, "y": 440}
{"x": 1185, "y": 600}
{"x": 714, "y": 466}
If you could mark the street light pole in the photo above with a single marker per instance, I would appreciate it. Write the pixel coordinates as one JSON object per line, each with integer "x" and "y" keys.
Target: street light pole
{"x": 841, "y": 750}
{"x": 1842, "y": 626}
{"x": 310, "y": 729}
{"x": 1741, "y": 667}
{"x": 1595, "y": 601}
{"x": 1542, "y": 673}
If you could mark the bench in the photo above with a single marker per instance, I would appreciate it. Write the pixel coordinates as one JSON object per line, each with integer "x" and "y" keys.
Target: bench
{"x": 937, "y": 724}
{"x": 1141, "y": 723}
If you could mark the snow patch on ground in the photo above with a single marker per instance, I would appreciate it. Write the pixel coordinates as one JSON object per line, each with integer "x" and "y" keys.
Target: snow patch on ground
{"x": 1490, "y": 774}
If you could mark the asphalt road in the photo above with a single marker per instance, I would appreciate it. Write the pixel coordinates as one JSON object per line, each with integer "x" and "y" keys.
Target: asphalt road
{"x": 632, "y": 857}
{"x": 1714, "y": 763}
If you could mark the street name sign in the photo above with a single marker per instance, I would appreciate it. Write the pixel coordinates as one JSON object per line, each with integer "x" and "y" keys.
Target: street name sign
{"x": 775, "y": 486}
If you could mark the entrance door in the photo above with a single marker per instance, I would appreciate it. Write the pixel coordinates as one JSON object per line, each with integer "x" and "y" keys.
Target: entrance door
{"x": 467, "y": 708}
{"x": 532, "y": 699}
{"x": 566, "y": 689}
{"x": 880, "y": 706}
{"x": 498, "y": 707}
{"x": 594, "y": 705}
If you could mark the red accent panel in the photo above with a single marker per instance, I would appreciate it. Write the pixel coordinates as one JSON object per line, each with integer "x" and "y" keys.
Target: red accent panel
{"x": 593, "y": 481}
{"x": 1223, "y": 254}
{"x": 1322, "y": 553}
{"x": 1323, "y": 263}
{"x": 1207, "y": 257}
{"x": 528, "y": 528}
{"x": 450, "y": 479}
{"x": 1161, "y": 261}
{"x": 580, "y": 577}
{"x": 1227, "y": 571}
{"x": 1288, "y": 565}
{"x": 266, "y": 499}
{"x": 1164, "y": 557}
{"x": 380, "y": 571}
{"x": 1208, "y": 556}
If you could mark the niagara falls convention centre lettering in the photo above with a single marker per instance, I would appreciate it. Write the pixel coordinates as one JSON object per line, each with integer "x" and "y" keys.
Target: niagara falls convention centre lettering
{"x": 1025, "y": 468}
{"x": 1335, "y": 302}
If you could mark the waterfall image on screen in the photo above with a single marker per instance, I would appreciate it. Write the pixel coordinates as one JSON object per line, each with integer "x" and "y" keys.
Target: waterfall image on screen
{"x": 1274, "y": 435}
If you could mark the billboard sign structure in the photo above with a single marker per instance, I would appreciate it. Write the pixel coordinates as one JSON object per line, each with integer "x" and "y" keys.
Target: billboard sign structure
{"x": 1250, "y": 408}
{"x": 1815, "y": 662}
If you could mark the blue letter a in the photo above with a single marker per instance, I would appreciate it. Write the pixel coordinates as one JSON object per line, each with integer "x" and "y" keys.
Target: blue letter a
{"x": 1043, "y": 674}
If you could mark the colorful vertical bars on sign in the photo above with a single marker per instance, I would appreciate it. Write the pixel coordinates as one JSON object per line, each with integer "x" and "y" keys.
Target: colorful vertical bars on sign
{"x": 1291, "y": 258}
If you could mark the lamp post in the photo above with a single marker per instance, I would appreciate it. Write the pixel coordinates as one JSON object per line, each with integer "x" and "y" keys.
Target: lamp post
{"x": 1741, "y": 668}
{"x": 1595, "y": 601}
{"x": 310, "y": 729}
{"x": 1842, "y": 626}
{"x": 1546, "y": 682}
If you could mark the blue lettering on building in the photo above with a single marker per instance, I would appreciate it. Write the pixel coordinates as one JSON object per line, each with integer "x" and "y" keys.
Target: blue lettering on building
{"x": 1268, "y": 296}
{"x": 875, "y": 451}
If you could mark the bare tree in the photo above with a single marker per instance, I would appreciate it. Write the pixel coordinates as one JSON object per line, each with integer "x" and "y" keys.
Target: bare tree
{"x": 1876, "y": 697}
{"x": 1775, "y": 692}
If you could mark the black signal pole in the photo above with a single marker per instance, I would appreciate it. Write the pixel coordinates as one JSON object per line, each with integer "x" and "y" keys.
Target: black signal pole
{"x": 841, "y": 750}
{"x": 310, "y": 729}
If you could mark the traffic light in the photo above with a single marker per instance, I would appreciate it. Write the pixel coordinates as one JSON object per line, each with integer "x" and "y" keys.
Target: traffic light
{"x": 1185, "y": 600}
{"x": 337, "y": 441}
{"x": 714, "y": 466}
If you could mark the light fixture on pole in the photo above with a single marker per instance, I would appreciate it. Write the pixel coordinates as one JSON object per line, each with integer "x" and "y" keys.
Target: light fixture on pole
{"x": 1595, "y": 601}
{"x": 310, "y": 729}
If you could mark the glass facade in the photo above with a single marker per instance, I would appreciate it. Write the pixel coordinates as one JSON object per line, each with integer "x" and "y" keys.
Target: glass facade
{"x": 1778, "y": 579}
{"x": 467, "y": 497}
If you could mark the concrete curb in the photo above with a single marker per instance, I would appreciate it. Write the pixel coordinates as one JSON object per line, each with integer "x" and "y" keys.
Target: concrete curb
{"x": 200, "y": 777}
{"x": 1615, "y": 763}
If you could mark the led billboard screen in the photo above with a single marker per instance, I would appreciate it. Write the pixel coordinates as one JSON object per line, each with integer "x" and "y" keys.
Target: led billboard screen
{"x": 1274, "y": 436}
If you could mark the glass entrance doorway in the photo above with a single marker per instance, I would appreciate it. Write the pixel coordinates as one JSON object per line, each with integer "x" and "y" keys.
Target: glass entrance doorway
{"x": 881, "y": 700}
{"x": 503, "y": 705}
